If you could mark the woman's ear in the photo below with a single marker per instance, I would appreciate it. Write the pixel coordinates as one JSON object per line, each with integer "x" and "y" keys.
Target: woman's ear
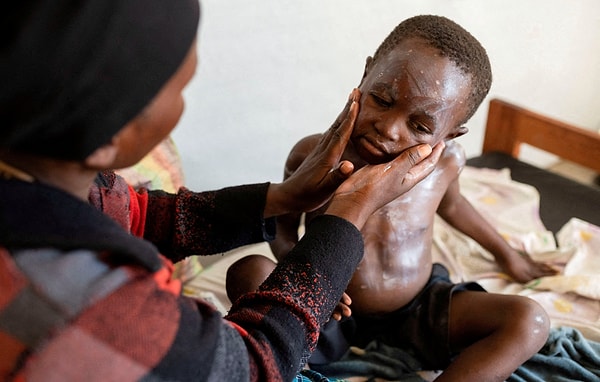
{"x": 104, "y": 156}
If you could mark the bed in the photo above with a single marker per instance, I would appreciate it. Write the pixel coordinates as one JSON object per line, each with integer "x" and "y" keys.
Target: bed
{"x": 549, "y": 216}
{"x": 509, "y": 127}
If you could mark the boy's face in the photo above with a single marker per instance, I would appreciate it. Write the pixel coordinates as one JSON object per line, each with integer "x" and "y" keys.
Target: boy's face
{"x": 410, "y": 96}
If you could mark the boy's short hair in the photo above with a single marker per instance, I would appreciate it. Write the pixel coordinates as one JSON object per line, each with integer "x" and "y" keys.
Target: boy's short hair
{"x": 454, "y": 42}
{"x": 76, "y": 72}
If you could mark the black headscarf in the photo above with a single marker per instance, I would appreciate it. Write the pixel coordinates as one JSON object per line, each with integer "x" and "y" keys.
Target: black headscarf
{"x": 74, "y": 72}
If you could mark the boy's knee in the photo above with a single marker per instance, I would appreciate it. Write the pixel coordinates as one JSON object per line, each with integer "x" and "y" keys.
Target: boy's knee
{"x": 532, "y": 323}
{"x": 246, "y": 274}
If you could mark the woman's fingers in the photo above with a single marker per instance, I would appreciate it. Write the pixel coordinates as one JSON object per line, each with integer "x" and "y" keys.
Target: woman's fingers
{"x": 337, "y": 136}
{"x": 374, "y": 186}
{"x": 419, "y": 162}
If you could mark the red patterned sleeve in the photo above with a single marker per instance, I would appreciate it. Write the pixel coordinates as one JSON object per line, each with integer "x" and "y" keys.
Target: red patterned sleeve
{"x": 205, "y": 223}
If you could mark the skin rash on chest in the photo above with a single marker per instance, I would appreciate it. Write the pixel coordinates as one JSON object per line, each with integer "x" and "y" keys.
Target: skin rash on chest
{"x": 398, "y": 239}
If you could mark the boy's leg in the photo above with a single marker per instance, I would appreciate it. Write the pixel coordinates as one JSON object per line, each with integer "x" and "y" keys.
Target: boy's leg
{"x": 246, "y": 275}
{"x": 494, "y": 334}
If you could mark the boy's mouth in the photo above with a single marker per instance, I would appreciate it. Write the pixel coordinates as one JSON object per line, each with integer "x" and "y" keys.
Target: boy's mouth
{"x": 372, "y": 152}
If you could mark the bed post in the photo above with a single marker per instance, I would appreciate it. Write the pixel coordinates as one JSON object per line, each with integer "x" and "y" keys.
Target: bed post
{"x": 508, "y": 126}
{"x": 500, "y": 132}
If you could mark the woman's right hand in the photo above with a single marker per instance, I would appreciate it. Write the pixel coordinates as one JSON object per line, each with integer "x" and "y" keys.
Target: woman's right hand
{"x": 321, "y": 172}
{"x": 374, "y": 186}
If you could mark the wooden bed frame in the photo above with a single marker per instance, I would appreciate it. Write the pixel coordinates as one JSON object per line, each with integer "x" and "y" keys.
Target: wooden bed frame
{"x": 508, "y": 126}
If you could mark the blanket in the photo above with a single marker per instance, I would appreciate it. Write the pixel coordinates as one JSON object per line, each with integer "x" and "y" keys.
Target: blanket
{"x": 572, "y": 297}
{"x": 566, "y": 356}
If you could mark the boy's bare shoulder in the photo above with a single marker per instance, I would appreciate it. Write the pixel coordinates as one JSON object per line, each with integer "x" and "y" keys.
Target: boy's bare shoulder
{"x": 300, "y": 151}
{"x": 306, "y": 144}
{"x": 454, "y": 154}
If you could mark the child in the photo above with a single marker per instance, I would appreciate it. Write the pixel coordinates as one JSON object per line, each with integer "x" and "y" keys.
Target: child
{"x": 424, "y": 82}
{"x": 89, "y": 86}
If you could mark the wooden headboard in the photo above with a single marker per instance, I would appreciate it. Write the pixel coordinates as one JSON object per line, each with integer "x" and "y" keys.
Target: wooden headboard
{"x": 508, "y": 126}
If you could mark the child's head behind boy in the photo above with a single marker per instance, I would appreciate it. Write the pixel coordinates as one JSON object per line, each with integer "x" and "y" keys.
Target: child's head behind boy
{"x": 426, "y": 79}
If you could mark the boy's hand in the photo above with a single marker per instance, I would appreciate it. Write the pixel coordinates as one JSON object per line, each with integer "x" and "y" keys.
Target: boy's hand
{"x": 313, "y": 183}
{"x": 343, "y": 308}
{"x": 522, "y": 268}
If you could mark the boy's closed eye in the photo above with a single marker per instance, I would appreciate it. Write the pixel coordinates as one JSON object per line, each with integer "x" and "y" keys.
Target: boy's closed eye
{"x": 420, "y": 127}
{"x": 387, "y": 103}
{"x": 382, "y": 100}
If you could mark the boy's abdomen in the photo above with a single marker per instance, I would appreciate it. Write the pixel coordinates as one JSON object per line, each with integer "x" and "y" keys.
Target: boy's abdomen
{"x": 395, "y": 267}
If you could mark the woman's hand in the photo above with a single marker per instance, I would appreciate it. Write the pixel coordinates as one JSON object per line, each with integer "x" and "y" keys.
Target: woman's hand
{"x": 374, "y": 186}
{"x": 320, "y": 174}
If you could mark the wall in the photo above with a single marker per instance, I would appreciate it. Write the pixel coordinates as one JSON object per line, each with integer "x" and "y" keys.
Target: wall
{"x": 273, "y": 71}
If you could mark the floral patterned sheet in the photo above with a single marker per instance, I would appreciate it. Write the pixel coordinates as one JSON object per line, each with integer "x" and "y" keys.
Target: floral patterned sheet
{"x": 572, "y": 297}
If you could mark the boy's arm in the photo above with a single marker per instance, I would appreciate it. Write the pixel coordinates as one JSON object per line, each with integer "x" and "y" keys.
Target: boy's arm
{"x": 460, "y": 214}
{"x": 287, "y": 235}
{"x": 287, "y": 225}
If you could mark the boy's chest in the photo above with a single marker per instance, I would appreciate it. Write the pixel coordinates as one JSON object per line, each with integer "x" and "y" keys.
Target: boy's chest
{"x": 415, "y": 210}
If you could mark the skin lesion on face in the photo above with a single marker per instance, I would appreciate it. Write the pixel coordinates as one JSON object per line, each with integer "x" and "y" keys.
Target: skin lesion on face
{"x": 411, "y": 95}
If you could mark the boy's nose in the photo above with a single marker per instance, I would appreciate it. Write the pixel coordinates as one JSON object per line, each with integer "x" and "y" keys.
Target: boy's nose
{"x": 392, "y": 135}
{"x": 391, "y": 129}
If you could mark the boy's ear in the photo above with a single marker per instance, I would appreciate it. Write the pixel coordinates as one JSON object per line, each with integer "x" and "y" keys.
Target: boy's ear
{"x": 103, "y": 157}
{"x": 462, "y": 130}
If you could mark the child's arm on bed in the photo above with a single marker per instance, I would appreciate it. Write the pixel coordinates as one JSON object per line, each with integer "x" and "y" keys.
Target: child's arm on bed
{"x": 460, "y": 214}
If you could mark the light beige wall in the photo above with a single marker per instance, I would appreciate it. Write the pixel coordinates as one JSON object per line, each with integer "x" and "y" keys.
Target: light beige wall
{"x": 273, "y": 71}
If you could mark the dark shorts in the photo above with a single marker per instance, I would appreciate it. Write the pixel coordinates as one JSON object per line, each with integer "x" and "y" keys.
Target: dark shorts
{"x": 420, "y": 327}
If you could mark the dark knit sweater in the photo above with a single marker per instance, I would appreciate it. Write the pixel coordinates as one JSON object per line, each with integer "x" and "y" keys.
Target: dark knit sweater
{"x": 81, "y": 298}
